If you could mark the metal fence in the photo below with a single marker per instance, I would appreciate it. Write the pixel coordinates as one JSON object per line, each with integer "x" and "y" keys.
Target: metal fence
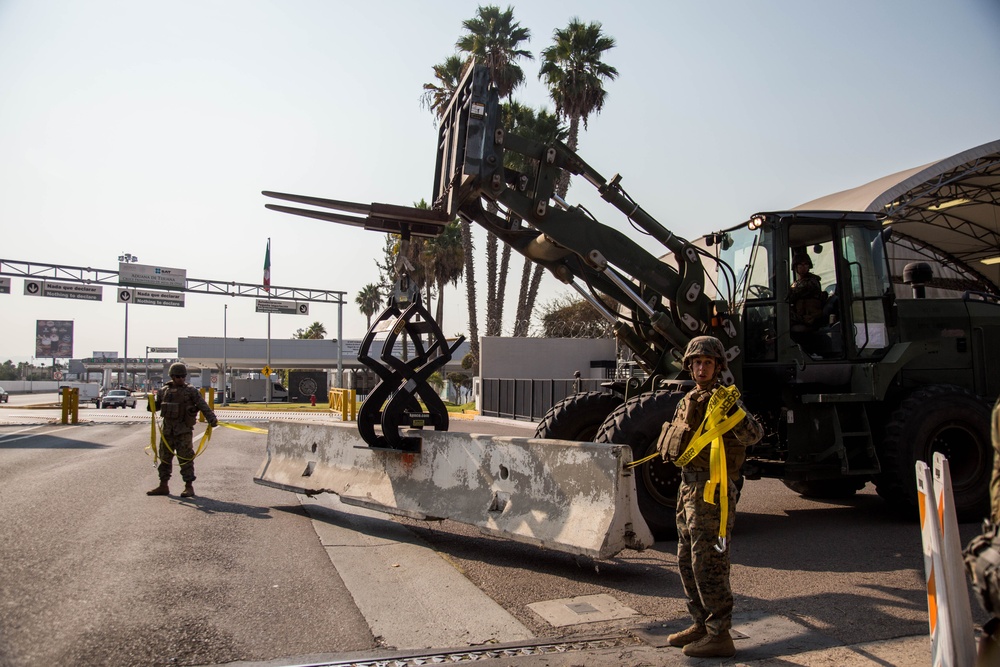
{"x": 529, "y": 400}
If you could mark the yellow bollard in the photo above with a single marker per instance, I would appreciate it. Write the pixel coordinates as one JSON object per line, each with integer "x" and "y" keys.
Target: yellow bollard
{"x": 70, "y": 405}
{"x": 210, "y": 400}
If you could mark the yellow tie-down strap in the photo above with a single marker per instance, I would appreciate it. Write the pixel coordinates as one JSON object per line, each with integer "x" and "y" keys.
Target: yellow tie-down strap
{"x": 713, "y": 427}
{"x": 205, "y": 438}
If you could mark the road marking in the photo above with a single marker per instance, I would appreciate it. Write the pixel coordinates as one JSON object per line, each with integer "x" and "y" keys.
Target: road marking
{"x": 4, "y": 439}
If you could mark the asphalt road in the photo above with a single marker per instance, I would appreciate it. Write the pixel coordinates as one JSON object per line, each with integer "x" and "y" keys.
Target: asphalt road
{"x": 97, "y": 573}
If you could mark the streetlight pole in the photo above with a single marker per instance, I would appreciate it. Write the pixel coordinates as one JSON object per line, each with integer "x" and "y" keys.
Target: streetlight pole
{"x": 127, "y": 258}
{"x": 225, "y": 360}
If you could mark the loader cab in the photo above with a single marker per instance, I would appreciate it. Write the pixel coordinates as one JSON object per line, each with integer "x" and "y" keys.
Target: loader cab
{"x": 813, "y": 289}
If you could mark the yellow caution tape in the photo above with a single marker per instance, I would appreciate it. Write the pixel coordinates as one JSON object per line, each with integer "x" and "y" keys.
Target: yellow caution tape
{"x": 243, "y": 427}
{"x": 205, "y": 438}
{"x": 715, "y": 425}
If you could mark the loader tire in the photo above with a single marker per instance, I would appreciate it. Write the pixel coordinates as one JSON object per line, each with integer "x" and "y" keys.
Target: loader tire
{"x": 827, "y": 489}
{"x": 938, "y": 418}
{"x": 637, "y": 423}
{"x": 578, "y": 416}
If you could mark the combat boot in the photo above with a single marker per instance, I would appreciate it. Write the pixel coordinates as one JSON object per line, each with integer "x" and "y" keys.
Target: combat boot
{"x": 188, "y": 491}
{"x": 687, "y": 636}
{"x": 712, "y": 646}
{"x": 161, "y": 490}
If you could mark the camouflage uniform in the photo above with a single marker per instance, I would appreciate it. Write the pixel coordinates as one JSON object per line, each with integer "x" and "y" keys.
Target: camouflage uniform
{"x": 995, "y": 481}
{"x": 704, "y": 571}
{"x": 179, "y": 407}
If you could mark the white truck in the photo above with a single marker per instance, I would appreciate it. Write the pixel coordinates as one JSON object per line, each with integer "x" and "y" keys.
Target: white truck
{"x": 89, "y": 392}
{"x": 254, "y": 390}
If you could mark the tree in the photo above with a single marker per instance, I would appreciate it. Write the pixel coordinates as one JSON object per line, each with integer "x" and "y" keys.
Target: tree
{"x": 315, "y": 331}
{"x": 436, "y": 96}
{"x": 493, "y": 38}
{"x": 8, "y": 371}
{"x": 444, "y": 262}
{"x": 574, "y": 72}
{"x": 569, "y": 317}
{"x": 369, "y": 300}
{"x": 546, "y": 128}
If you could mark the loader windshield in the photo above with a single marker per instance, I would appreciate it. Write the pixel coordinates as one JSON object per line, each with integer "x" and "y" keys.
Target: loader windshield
{"x": 750, "y": 257}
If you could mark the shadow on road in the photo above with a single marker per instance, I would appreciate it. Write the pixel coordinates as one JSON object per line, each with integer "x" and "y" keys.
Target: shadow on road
{"x": 211, "y": 506}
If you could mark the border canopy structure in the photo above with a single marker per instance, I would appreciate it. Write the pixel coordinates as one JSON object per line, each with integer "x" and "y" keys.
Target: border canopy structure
{"x": 949, "y": 209}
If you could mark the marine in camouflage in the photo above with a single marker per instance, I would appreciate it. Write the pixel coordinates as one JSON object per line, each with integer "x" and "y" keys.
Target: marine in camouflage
{"x": 995, "y": 481}
{"x": 704, "y": 570}
{"x": 179, "y": 405}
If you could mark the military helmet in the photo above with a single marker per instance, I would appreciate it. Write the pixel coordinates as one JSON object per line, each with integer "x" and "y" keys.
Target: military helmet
{"x": 708, "y": 346}
{"x": 178, "y": 369}
{"x": 802, "y": 258}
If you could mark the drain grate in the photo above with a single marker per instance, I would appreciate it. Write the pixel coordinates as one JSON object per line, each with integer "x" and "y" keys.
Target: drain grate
{"x": 463, "y": 656}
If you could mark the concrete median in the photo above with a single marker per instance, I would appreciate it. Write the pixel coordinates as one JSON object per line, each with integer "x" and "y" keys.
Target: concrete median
{"x": 569, "y": 496}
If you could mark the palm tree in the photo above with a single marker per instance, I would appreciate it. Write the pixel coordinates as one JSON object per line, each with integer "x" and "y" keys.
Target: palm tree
{"x": 444, "y": 257}
{"x": 493, "y": 38}
{"x": 369, "y": 300}
{"x": 575, "y": 74}
{"x": 436, "y": 96}
{"x": 316, "y": 331}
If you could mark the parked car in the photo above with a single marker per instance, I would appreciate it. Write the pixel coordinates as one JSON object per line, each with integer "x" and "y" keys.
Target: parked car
{"x": 118, "y": 398}
{"x": 3, "y": 395}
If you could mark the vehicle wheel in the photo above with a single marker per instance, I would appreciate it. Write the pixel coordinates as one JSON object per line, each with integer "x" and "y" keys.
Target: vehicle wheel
{"x": 637, "y": 423}
{"x": 827, "y": 488}
{"x": 946, "y": 419}
{"x": 578, "y": 416}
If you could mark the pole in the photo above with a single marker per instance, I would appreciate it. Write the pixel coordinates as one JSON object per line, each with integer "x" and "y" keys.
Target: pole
{"x": 267, "y": 394}
{"x": 125, "y": 362}
{"x": 340, "y": 345}
{"x": 225, "y": 360}
{"x": 267, "y": 391}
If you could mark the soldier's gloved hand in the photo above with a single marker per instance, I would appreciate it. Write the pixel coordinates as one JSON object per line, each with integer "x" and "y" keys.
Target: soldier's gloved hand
{"x": 213, "y": 423}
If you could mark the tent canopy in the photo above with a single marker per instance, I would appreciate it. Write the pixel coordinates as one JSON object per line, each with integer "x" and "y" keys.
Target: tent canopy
{"x": 950, "y": 207}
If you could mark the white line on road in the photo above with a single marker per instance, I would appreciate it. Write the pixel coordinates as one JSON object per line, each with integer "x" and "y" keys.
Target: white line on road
{"x": 4, "y": 439}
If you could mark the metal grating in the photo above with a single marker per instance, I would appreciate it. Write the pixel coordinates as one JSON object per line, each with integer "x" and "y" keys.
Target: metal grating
{"x": 465, "y": 656}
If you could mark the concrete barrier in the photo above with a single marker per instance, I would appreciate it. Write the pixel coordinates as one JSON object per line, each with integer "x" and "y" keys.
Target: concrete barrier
{"x": 569, "y": 496}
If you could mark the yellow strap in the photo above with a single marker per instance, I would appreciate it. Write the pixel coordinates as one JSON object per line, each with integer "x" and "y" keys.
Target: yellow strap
{"x": 715, "y": 423}
{"x": 714, "y": 426}
{"x": 244, "y": 427}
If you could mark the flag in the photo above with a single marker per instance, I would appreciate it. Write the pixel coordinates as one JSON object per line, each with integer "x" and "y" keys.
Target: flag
{"x": 267, "y": 267}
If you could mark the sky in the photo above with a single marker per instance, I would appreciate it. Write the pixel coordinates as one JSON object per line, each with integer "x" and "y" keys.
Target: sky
{"x": 151, "y": 128}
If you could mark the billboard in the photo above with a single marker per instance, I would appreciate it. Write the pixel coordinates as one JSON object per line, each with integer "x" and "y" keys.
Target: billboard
{"x": 54, "y": 339}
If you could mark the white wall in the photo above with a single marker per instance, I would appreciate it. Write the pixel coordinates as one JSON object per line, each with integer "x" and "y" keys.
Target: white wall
{"x": 542, "y": 358}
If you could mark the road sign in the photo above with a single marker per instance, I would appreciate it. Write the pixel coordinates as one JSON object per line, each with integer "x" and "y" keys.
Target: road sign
{"x": 4, "y": 285}
{"x": 266, "y": 371}
{"x": 282, "y": 307}
{"x": 141, "y": 275}
{"x": 63, "y": 290}
{"x": 145, "y": 297}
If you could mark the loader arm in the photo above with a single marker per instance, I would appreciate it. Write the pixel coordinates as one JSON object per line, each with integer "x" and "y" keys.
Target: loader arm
{"x": 659, "y": 307}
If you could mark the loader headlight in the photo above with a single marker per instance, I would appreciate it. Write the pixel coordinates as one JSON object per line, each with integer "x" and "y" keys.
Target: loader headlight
{"x": 756, "y": 221}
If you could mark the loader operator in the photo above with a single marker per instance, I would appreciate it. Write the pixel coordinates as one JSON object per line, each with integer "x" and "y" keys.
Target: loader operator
{"x": 179, "y": 403}
{"x": 702, "y": 553}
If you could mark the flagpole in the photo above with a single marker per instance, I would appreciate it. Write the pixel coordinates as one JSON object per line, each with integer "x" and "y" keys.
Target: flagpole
{"x": 267, "y": 273}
